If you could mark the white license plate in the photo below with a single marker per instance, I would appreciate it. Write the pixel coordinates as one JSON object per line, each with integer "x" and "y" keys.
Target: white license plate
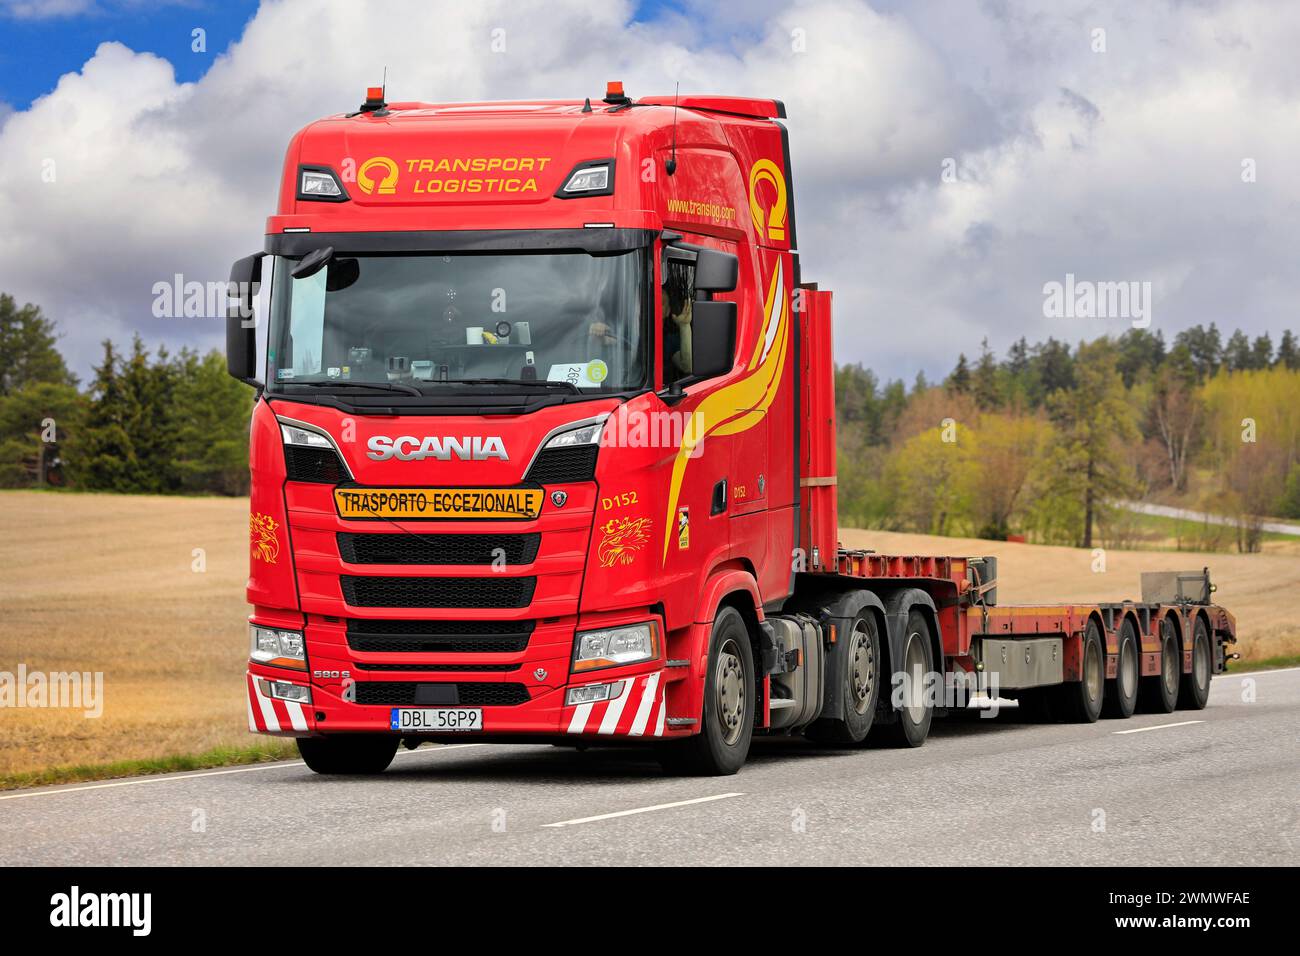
{"x": 437, "y": 719}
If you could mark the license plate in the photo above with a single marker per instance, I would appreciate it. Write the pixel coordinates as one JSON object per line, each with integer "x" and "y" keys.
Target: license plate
{"x": 438, "y": 503}
{"x": 437, "y": 719}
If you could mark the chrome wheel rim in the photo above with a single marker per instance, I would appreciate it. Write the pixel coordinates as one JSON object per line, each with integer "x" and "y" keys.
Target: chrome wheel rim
{"x": 1127, "y": 675}
{"x": 862, "y": 667}
{"x": 729, "y": 695}
{"x": 1201, "y": 659}
{"x": 914, "y": 668}
{"x": 1092, "y": 670}
{"x": 1169, "y": 664}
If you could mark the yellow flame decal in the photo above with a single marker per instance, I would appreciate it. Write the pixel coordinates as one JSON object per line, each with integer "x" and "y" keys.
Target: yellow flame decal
{"x": 742, "y": 404}
{"x": 771, "y": 227}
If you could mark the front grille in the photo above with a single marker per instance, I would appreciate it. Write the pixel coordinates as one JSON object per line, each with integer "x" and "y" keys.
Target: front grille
{"x": 439, "y": 637}
{"x": 556, "y": 466}
{"x": 472, "y": 668}
{"x": 438, "y": 548}
{"x": 437, "y": 592}
{"x": 320, "y": 465}
{"x": 465, "y": 694}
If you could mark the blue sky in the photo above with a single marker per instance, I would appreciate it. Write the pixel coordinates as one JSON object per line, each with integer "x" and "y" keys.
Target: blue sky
{"x": 38, "y": 50}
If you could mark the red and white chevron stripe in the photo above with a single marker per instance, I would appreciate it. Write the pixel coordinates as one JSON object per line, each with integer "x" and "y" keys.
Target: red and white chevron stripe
{"x": 269, "y": 716}
{"x": 638, "y": 711}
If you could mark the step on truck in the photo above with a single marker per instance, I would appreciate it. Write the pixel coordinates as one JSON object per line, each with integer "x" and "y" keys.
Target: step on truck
{"x": 543, "y": 450}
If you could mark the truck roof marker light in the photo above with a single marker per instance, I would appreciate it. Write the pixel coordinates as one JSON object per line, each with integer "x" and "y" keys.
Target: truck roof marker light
{"x": 614, "y": 94}
{"x": 591, "y": 178}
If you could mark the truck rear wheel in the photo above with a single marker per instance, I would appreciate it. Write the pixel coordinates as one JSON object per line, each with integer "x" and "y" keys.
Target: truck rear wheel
{"x": 1121, "y": 693}
{"x": 1194, "y": 690}
{"x": 1158, "y": 694}
{"x": 913, "y": 717}
{"x": 1079, "y": 702}
{"x": 348, "y": 753}
{"x": 721, "y": 746}
{"x": 859, "y": 676}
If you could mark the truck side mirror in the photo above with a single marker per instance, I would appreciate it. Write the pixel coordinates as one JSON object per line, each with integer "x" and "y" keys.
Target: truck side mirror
{"x": 716, "y": 271}
{"x": 713, "y": 336}
{"x": 241, "y": 318}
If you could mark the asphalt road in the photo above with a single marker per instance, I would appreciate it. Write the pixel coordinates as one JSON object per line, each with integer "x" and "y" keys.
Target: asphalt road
{"x": 1218, "y": 787}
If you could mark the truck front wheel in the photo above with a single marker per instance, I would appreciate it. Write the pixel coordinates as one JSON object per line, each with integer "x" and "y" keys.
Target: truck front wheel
{"x": 348, "y": 753}
{"x": 721, "y": 746}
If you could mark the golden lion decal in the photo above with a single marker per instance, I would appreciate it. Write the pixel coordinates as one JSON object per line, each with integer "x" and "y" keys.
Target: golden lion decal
{"x": 623, "y": 538}
{"x": 261, "y": 532}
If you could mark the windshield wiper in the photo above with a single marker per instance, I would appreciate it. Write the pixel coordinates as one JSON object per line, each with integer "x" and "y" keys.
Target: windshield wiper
{"x": 523, "y": 383}
{"x": 380, "y": 386}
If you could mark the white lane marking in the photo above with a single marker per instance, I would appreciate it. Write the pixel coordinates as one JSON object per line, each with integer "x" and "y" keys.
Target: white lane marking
{"x": 1263, "y": 670}
{"x": 615, "y": 710}
{"x": 1138, "y": 730}
{"x": 168, "y": 778}
{"x": 647, "y": 702}
{"x": 628, "y": 813}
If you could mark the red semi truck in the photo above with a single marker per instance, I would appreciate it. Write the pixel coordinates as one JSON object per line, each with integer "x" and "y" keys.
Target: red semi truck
{"x": 545, "y": 452}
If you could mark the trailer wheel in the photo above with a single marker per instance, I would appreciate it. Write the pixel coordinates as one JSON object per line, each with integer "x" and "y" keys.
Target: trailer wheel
{"x": 348, "y": 753}
{"x": 721, "y": 746}
{"x": 912, "y": 725}
{"x": 1121, "y": 693}
{"x": 1194, "y": 690}
{"x": 1080, "y": 702}
{"x": 1158, "y": 694}
{"x": 859, "y": 686}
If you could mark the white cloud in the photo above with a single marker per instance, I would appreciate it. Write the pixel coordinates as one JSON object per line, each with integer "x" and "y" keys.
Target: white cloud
{"x": 1122, "y": 165}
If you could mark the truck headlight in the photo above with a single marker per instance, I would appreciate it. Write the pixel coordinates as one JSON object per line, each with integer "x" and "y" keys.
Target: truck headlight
{"x": 614, "y": 646}
{"x": 583, "y": 435}
{"x": 592, "y": 693}
{"x": 268, "y": 645}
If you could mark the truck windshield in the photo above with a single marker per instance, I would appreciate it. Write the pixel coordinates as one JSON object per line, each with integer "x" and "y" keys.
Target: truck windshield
{"x": 467, "y": 317}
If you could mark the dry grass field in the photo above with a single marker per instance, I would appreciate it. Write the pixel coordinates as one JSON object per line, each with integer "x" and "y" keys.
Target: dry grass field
{"x": 106, "y": 583}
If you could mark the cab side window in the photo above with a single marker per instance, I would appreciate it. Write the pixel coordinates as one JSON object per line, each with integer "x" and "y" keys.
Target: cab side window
{"x": 678, "y": 295}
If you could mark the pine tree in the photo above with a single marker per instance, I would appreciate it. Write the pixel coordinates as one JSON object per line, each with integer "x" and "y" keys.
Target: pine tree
{"x": 1288, "y": 352}
{"x": 108, "y": 460}
{"x": 959, "y": 381}
{"x": 28, "y": 353}
{"x": 1236, "y": 354}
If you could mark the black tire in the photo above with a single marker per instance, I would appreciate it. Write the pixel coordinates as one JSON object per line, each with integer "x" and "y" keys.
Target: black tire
{"x": 859, "y": 676}
{"x": 349, "y": 753}
{"x": 911, "y": 724}
{"x": 1194, "y": 688}
{"x": 1158, "y": 694}
{"x": 727, "y": 721}
{"x": 1079, "y": 702}
{"x": 1122, "y": 692}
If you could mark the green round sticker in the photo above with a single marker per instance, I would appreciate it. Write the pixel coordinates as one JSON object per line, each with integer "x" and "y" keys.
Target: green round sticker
{"x": 597, "y": 370}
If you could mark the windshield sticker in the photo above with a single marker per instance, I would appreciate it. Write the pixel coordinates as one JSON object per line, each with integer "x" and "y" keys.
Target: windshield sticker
{"x": 581, "y": 374}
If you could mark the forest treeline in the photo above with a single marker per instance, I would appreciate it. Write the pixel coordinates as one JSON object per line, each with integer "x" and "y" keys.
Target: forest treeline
{"x": 1048, "y": 440}
{"x": 154, "y": 423}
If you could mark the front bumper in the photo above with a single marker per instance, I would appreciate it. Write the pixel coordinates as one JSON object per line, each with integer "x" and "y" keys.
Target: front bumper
{"x": 637, "y": 712}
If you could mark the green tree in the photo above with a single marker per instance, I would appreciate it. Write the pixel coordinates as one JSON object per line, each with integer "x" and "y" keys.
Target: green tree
{"x": 108, "y": 460}
{"x": 28, "y": 353}
{"x": 1288, "y": 352}
{"x": 212, "y": 413}
{"x": 1093, "y": 422}
{"x": 959, "y": 381}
